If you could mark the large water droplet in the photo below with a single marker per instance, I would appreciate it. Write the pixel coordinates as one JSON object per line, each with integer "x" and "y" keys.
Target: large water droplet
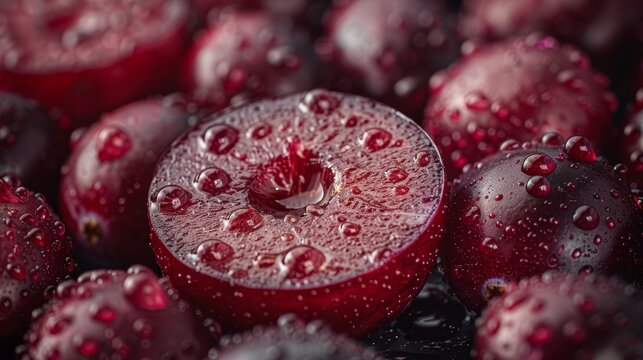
{"x": 319, "y": 102}
{"x": 173, "y": 199}
{"x": 113, "y": 143}
{"x": 586, "y": 217}
{"x": 213, "y": 181}
{"x": 302, "y": 261}
{"x": 259, "y": 131}
{"x": 215, "y": 253}
{"x": 538, "y": 164}
{"x": 37, "y": 237}
{"x": 395, "y": 175}
{"x": 219, "y": 139}
{"x": 375, "y": 139}
{"x": 144, "y": 291}
{"x": 349, "y": 229}
{"x": 580, "y": 148}
{"x": 244, "y": 221}
{"x": 538, "y": 186}
{"x": 422, "y": 159}
{"x": 471, "y": 216}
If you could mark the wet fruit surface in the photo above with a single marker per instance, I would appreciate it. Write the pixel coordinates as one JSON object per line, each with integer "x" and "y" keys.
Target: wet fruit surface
{"x": 536, "y": 208}
{"x": 33, "y": 144}
{"x": 305, "y": 212}
{"x": 34, "y": 255}
{"x": 106, "y": 180}
{"x": 518, "y": 88}
{"x": 631, "y": 144}
{"x": 597, "y": 26}
{"x": 387, "y": 49}
{"x": 292, "y": 339}
{"x": 118, "y": 315}
{"x": 246, "y": 56}
{"x": 89, "y": 56}
{"x": 563, "y": 317}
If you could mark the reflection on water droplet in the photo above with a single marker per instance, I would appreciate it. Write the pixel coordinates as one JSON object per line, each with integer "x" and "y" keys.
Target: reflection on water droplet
{"x": 244, "y": 221}
{"x": 538, "y": 164}
{"x": 213, "y": 181}
{"x": 586, "y": 217}
{"x": 144, "y": 291}
{"x": 219, "y": 139}
{"x": 214, "y": 253}
{"x": 173, "y": 199}
{"x": 375, "y": 139}
{"x": 303, "y": 261}
{"x": 113, "y": 143}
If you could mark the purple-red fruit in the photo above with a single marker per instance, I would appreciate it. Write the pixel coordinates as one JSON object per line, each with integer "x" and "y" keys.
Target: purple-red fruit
{"x": 106, "y": 180}
{"x": 292, "y": 339}
{"x": 559, "y": 316}
{"x": 34, "y": 255}
{"x": 33, "y": 143}
{"x": 246, "y": 56}
{"x": 631, "y": 143}
{"x": 596, "y": 26}
{"x": 112, "y": 314}
{"x": 387, "y": 49}
{"x": 90, "y": 56}
{"x": 539, "y": 207}
{"x": 515, "y": 89}
{"x": 322, "y": 204}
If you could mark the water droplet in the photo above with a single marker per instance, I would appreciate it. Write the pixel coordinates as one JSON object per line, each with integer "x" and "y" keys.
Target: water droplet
{"x": 610, "y": 222}
{"x": 580, "y": 148}
{"x": 213, "y": 181}
{"x": 259, "y": 131}
{"x": 215, "y": 253}
{"x": 540, "y": 335}
{"x": 375, "y": 139}
{"x": 219, "y": 139}
{"x": 584, "y": 303}
{"x": 105, "y": 314}
{"x": 319, "y": 102}
{"x": 538, "y": 164}
{"x": 477, "y": 102}
{"x": 113, "y": 143}
{"x": 538, "y": 186}
{"x": 173, "y": 199}
{"x": 380, "y": 255}
{"x": 586, "y": 217}
{"x": 144, "y": 291}
{"x": 489, "y": 245}
{"x": 395, "y": 175}
{"x": 5, "y": 305}
{"x": 315, "y": 210}
{"x": 552, "y": 139}
{"x": 402, "y": 190}
{"x": 16, "y": 271}
{"x": 576, "y": 253}
{"x": 59, "y": 227}
{"x": 244, "y": 220}
{"x": 471, "y": 216}
{"x": 349, "y": 229}
{"x": 422, "y": 159}
{"x": 37, "y": 237}
{"x": 234, "y": 80}
{"x": 302, "y": 261}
